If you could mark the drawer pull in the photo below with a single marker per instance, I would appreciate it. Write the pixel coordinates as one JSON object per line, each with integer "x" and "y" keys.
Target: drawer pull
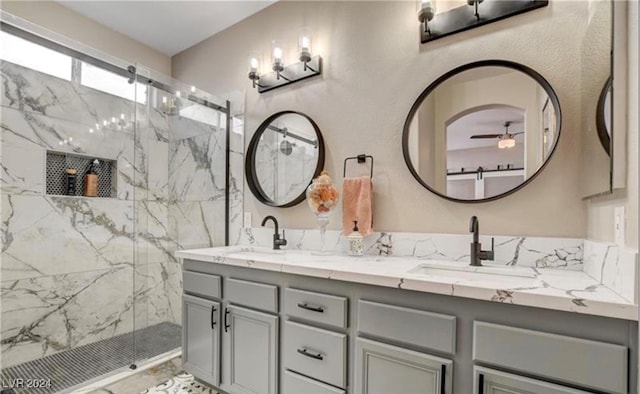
{"x": 306, "y": 352}
{"x": 481, "y": 384}
{"x": 311, "y": 308}
{"x": 213, "y": 311}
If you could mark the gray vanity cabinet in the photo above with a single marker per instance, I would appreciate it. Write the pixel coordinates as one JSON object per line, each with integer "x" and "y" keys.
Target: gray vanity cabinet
{"x": 250, "y": 351}
{"x": 383, "y": 369}
{"x": 201, "y": 338}
{"x": 488, "y": 381}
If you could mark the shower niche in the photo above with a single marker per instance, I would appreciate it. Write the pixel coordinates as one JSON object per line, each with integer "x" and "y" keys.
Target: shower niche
{"x": 57, "y": 183}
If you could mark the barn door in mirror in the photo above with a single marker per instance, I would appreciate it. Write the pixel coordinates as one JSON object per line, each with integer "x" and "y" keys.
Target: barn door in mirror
{"x": 482, "y": 131}
{"x": 284, "y": 155}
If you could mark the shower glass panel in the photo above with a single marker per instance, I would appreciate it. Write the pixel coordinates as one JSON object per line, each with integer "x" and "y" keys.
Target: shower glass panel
{"x": 67, "y": 249}
{"x": 180, "y": 200}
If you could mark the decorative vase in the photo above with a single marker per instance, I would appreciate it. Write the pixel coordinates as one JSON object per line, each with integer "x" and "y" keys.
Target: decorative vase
{"x": 322, "y": 198}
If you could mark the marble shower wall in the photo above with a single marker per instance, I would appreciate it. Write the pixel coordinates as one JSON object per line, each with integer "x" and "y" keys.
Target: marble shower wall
{"x": 74, "y": 269}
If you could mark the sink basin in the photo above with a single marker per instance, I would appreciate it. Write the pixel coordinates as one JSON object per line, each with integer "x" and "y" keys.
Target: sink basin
{"x": 254, "y": 250}
{"x": 513, "y": 275}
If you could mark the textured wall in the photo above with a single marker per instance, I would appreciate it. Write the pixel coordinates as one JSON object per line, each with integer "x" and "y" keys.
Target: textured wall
{"x": 374, "y": 69}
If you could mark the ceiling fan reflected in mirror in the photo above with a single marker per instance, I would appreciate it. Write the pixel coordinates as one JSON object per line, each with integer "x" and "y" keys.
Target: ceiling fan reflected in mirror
{"x": 506, "y": 139}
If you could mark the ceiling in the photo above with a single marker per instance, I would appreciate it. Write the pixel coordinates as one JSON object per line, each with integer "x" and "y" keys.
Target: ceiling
{"x": 488, "y": 121}
{"x": 168, "y": 26}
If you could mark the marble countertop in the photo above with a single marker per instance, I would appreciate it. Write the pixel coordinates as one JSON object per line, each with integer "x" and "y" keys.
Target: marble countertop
{"x": 571, "y": 291}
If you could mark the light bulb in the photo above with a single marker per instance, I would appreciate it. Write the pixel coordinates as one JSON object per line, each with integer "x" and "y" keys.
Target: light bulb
{"x": 113, "y": 119}
{"x": 506, "y": 143}
{"x": 164, "y": 99}
{"x": 277, "y": 54}
{"x": 90, "y": 130}
{"x": 122, "y": 116}
{"x": 193, "y": 89}
{"x": 178, "y": 94}
{"x": 253, "y": 64}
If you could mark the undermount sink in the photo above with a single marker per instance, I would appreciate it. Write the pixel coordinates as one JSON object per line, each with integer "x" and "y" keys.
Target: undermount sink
{"x": 254, "y": 249}
{"x": 483, "y": 273}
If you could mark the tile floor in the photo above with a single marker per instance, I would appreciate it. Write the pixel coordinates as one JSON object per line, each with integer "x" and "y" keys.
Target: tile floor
{"x": 166, "y": 378}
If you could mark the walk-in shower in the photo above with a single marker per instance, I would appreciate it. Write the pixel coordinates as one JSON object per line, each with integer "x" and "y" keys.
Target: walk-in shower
{"x": 89, "y": 284}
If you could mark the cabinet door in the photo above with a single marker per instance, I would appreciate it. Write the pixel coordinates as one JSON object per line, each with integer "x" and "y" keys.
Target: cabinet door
{"x": 488, "y": 381}
{"x": 250, "y": 351}
{"x": 201, "y": 338}
{"x": 384, "y": 369}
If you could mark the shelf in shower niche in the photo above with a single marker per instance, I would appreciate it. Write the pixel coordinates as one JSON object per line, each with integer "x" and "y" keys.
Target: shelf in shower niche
{"x": 56, "y": 176}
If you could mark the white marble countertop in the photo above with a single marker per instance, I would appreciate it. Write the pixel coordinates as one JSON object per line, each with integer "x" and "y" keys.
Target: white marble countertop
{"x": 571, "y": 291}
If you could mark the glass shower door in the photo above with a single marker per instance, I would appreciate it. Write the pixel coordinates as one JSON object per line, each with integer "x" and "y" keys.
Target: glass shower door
{"x": 67, "y": 148}
{"x": 180, "y": 202}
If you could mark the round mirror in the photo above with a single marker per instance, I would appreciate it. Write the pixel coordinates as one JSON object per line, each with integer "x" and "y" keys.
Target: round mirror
{"x": 481, "y": 131}
{"x": 284, "y": 155}
{"x": 603, "y": 117}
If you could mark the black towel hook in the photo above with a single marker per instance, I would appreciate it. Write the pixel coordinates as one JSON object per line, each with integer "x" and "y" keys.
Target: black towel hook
{"x": 362, "y": 158}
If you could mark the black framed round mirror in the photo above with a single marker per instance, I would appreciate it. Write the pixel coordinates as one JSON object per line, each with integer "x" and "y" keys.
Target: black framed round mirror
{"x": 285, "y": 154}
{"x": 603, "y": 116}
{"x": 481, "y": 131}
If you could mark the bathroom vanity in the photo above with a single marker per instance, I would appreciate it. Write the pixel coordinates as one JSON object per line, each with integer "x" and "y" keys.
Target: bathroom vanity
{"x": 291, "y": 322}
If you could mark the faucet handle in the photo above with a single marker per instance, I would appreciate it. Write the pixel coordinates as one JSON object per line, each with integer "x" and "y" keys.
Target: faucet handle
{"x": 490, "y": 253}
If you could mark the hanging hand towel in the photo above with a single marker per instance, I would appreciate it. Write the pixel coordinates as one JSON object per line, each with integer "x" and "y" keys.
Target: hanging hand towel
{"x": 357, "y": 204}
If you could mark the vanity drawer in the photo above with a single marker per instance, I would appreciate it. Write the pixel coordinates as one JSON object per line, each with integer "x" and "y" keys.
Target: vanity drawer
{"x": 409, "y": 326}
{"x": 206, "y": 285}
{"x": 316, "y": 307}
{"x": 586, "y": 363}
{"x": 315, "y": 352}
{"x": 252, "y": 294}
{"x": 298, "y": 384}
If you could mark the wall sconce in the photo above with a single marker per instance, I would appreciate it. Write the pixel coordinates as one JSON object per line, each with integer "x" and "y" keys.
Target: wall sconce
{"x": 282, "y": 75}
{"x": 460, "y": 19}
{"x": 426, "y": 12}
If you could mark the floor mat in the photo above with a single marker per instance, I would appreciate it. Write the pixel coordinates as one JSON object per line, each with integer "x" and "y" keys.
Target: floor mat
{"x": 183, "y": 383}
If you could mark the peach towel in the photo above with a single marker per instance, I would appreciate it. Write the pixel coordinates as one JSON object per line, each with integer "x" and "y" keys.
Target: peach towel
{"x": 357, "y": 204}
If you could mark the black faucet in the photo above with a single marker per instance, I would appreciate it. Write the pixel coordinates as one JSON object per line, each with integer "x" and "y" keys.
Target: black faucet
{"x": 277, "y": 242}
{"x": 477, "y": 254}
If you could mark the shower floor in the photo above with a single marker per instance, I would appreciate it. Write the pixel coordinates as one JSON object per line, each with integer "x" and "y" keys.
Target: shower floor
{"x": 76, "y": 366}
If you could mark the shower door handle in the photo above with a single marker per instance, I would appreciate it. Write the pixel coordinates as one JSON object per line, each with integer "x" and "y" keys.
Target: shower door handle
{"x": 213, "y": 311}
{"x": 226, "y": 319}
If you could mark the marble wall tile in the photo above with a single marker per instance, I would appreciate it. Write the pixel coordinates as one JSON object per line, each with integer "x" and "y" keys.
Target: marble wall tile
{"x": 34, "y": 133}
{"x": 46, "y": 315}
{"x": 31, "y": 91}
{"x": 614, "y": 266}
{"x": 195, "y": 120}
{"x": 44, "y": 236}
{"x": 558, "y": 253}
{"x": 158, "y": 291}
{"x": 197, "y": 168}
{"x": 197, "y": 224}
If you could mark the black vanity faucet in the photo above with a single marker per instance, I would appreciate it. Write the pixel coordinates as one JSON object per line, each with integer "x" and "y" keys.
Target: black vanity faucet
{"x": 277, "y": 242}
{"x": 477, "y": 254}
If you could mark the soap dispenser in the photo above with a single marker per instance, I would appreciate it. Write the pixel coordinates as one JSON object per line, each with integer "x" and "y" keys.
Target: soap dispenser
{"x": 356, "y": 241}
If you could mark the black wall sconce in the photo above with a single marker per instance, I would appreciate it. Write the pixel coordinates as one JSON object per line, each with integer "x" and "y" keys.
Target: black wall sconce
{"x": 476, "y": 13}
{"x": 282, "y": 75}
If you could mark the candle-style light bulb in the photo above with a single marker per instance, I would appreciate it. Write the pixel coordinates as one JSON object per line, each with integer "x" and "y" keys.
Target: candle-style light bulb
{"x": 277, "y": 56}
{"x": 253, "y": 64}
{"x": 122, "y": 116}
{"x": 164, "y": 99}
{"x": 178, "y": 94}
{"x": 193, "y": 89}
